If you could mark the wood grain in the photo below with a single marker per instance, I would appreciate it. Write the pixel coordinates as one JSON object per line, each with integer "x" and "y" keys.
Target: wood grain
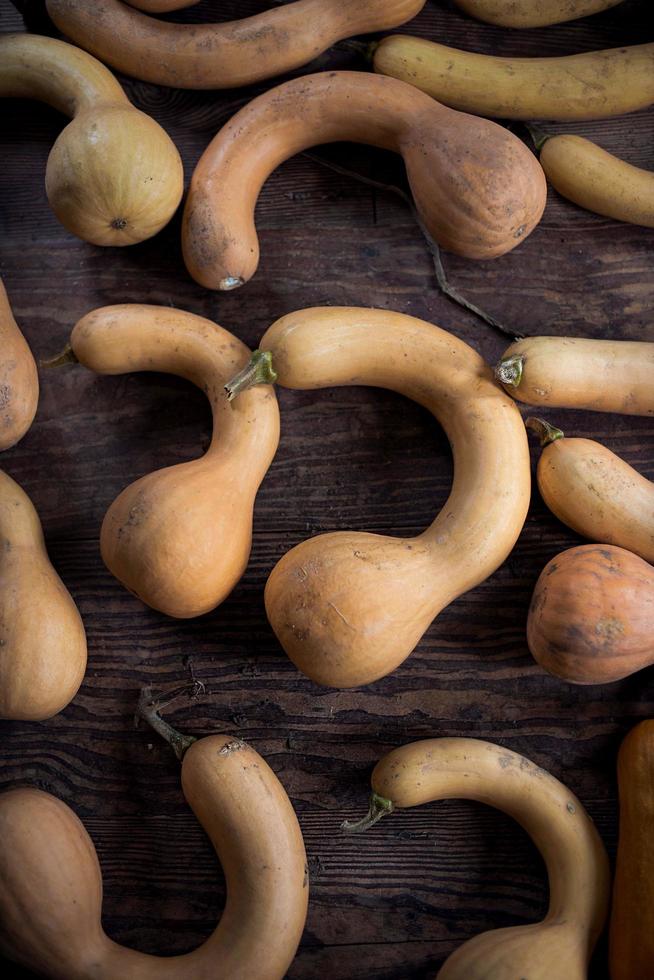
{"x": 395, "y": 903}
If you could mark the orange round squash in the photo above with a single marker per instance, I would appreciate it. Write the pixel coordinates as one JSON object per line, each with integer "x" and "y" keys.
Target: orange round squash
{"x": 19, "y": 379}
{"x": 591, "y": 618}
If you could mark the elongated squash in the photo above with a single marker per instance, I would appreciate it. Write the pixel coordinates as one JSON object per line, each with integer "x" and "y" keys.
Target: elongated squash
{"x": 42, "y": 638}
{"x": 349, "y": 607}
{"x": 19, "y": 379}
{"x": 526, "y": 13}
{"x": 114, "y": 176}
{"x": 561, "y": 945}
{"x": 51, "y": 884}
{"x": 180, "y": 538}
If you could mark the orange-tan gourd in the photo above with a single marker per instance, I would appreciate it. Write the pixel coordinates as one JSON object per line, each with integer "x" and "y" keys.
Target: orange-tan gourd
{"x": 180, "y": 538}
{"x": 577, "y": 372}
{"x": 42, "y": 639}
{"x": 51, "y": 883}
{"x": 223, "y": 55}
{"x": 596, "y": 180}
{"x": 592, "y": 85}
{"x": 19, "y": 379}
{"x": 478, "y": 189}
{"x": 591, "y": 618}
{"x": 350, "y": 606}
{"x": 445, "y": 768}
{"x": 528, "y": 13}
{"x": 594, "y": 491}
{"x": 631, "y": 937}
{"x": 114, "y": 176}
{"x": 161, "y": 6}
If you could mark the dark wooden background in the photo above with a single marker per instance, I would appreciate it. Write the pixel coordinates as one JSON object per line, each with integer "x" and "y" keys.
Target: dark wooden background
{"x": 397, "y": 901}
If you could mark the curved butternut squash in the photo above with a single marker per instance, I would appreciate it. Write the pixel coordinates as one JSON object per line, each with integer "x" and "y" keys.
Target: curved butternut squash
{"x": 349, "y": 607}
{"x": 527, "y": 13}
{"x": 631, "y": 938}
{"x": 19, "y": 379}
{"x": 51, "y": 884}
{"x": 577, "y": 866}
{"x": 479, "y": 191}
{"x": 221, "y": 55}
{"x": 595, "y": 492}
{"x": 42, "y": 639}
{"x": 598, "y": 181}
{"x": 576, "y": 372}
{"x": 591, "y": 618}
{"x": 114, "y": 176}
{"x": 180, "y": 538}
{"x": 592, "y": 85}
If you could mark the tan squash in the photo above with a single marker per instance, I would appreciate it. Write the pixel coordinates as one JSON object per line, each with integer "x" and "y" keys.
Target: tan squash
{"x": 51, "y": 883}
{"x": 526, "y": 13}
{"x": 114, "y": 176}
{"x": 349, "y": 607}
{"x": 223, "y": 55}
{"x": 161, "y": 6}
{"x": 180, "y": 538}
{"x": 591, "y": 618}
{"x": 598, "y": 181}
{"x": 561, "y": 945}
{"x": 478, "y": 189}
{"x": 631, "y": 940}
{"x": 592, "y": 85}
{"x": 19, "y": 379}
{"x": 595, "y": 492}
{"x": 577, "y": 372}
{"x": 42, "y": 639}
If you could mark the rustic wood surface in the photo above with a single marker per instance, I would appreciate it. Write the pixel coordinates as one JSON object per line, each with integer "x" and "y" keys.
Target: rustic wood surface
{"x": 397, "y": 901}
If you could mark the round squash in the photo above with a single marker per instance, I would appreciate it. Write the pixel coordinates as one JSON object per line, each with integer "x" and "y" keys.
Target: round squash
{"x": 561, "y": 945}
{"x": 203, "y": 56}
{"x": 477, "y": 187}
{"x": 42, "y": 638}
{"x": 180, "y": 538}
{"x": 349, "y": 607}
{"x": 19, "y": 379}
{"x": 592, "y": 615}
{"x": 525, "y": 13}
{"x": 114, "y": 176}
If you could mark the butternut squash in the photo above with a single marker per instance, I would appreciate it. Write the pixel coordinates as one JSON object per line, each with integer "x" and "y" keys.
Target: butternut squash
{"x": 180, "y": 538}
{"x": 595, "y": 492}
{"x": 479, "y": 191}
{"x": 561, "y": 945}
{"x": 349, "y": 607}
{"x": 598, "y": 181}
{"x": 51, "y": 883}
{"x": 592, "y": 614}
{"x": 577, "y": 372}
{"x": 19, "y": 379}
{"x": 161, "y": 6}
{"x": 527, "y": 13}
{"x": 42, "y": 638}
{"x": 631, "y": 938}
{"x": 221, "y": 55}
{"x": 592, "y": 85}
{"x": 114, "y": 176}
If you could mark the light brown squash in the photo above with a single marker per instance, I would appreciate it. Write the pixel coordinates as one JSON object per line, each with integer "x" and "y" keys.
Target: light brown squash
{"x": 51, "y": 884}
{"x": 577, "y": 372}
{"x": 349, "y": 607}
{"x": 223, "y": 55}
{"x": 114, "y": 176}
{"x": 161, "y": 6}
{"x": 527, "y": 13}
{"x": 42, "y": 639}
{"x": 595, "y": 492}
{"x": 591, "y": 618}
{"x": 631, "y": 937}
{"x": 592, "y": 85}
{"x": 478, "y": 189}
{"x": 180, "y": 538}
{"x": 19, "y": 379}
{"x": 561, "y": 945}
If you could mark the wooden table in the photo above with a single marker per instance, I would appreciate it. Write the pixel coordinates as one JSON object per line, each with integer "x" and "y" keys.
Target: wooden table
{"x": 397, "y": 901}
